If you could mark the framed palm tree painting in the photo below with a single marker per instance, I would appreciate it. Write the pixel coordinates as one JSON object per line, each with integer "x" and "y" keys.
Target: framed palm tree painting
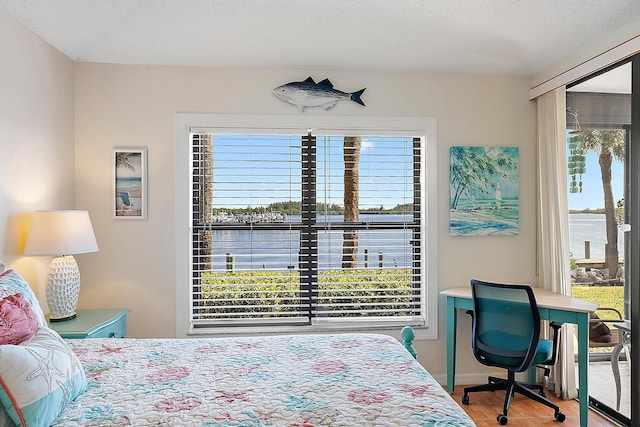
{"x": 130, "y": 183}
{"x": 484, "y": 191}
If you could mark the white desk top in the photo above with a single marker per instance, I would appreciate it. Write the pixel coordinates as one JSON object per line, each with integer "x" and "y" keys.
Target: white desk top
{"x": 625, "y": 326}
{"x": 544, "y": 298}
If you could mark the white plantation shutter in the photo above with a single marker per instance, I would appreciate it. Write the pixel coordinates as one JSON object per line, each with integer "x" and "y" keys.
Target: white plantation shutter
{"x": 384, "y": 280}
{"x": 245, "y": 259}
{"x": 268, "y": 231}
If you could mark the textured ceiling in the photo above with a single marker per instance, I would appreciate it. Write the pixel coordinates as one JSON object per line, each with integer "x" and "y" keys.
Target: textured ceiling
{"x": 474, "y": 36}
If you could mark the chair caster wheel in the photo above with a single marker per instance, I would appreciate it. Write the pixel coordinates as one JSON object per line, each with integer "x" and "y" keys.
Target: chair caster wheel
{"x": 560, "y": 417}
{"x": 465, "y": 399}
{"x": 502, "y": 420}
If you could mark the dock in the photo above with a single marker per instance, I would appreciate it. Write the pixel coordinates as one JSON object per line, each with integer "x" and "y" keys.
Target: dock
{"x": 597, "y": 263}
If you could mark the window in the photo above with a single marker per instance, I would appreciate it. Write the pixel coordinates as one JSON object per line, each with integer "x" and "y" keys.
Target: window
{"x": 324, "y": 228}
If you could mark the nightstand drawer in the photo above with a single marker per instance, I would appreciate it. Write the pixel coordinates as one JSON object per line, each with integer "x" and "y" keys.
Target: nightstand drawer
{"x": 117, "y": 329}
{"x": 107, "y": 323}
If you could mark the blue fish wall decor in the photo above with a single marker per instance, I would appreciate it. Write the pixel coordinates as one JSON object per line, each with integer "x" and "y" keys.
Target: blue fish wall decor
{"x": 308, "y": 93}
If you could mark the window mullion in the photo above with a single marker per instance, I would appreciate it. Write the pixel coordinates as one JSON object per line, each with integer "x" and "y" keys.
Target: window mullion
{"x": 416, "y": 245}
{"x": 309, "y": 234}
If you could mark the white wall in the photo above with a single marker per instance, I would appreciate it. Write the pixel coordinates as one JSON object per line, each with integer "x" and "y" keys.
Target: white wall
{"x": 136, "y": 106}
{"x": 36, "y": 141}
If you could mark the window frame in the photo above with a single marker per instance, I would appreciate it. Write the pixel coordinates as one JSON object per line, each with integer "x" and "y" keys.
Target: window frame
{"x": 327, "y": 125}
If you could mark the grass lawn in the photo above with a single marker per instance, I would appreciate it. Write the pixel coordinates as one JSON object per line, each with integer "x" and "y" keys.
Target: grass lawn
{"x": 354, "y": 292}
{"x": 606, "y": 296}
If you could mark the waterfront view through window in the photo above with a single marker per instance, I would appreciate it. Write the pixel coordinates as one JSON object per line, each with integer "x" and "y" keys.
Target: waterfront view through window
{"x": 307, "y": 229}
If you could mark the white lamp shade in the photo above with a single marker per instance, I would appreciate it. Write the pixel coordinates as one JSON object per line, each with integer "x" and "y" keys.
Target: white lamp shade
{"x": 65, "y": 232}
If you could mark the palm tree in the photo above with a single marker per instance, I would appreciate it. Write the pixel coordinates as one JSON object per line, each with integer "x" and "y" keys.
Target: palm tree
{"x": 206, "y": 201}
{"x": 122, "y": 160}
{"x": 472, "y": 168}
{"x": 351, "y": 156}
{"x": 607, "y": 144}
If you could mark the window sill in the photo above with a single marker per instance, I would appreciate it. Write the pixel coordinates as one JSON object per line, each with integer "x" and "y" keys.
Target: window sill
{"x": 422, "y": 332}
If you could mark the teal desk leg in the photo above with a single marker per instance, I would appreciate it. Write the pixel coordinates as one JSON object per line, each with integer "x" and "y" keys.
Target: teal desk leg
{"x": 583, "y": 367}
{"x": 531, "y": 375}
{"x": 451, "y": 343}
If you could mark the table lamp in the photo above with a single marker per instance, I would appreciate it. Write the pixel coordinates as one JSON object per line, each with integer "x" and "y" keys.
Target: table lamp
{"x": 62, "y": 234}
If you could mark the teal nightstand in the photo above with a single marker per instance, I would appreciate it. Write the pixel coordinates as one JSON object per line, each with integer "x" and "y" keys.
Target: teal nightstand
{"x": 99, "y": 323}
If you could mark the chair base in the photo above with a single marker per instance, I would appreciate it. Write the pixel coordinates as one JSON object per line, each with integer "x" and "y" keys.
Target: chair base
{"x": 511, "y": 387}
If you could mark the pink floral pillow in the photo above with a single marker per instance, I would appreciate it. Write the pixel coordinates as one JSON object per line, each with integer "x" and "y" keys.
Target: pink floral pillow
{"x": 18, "y": 322}
{"x": 11, "y": 282}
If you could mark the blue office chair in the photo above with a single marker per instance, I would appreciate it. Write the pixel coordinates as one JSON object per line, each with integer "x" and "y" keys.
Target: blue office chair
{"x": 506, "y": 334}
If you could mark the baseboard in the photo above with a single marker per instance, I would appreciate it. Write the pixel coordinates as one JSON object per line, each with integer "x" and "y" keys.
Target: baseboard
{"x": 477, "y": 378}
{"x": 466, "y": 379}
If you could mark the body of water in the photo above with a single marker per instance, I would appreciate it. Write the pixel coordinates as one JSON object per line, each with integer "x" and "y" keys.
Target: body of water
{"x": 590, "y": 227}
{"x": 279, "y": 249}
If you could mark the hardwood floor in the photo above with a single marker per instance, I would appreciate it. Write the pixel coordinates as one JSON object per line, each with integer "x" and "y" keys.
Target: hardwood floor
{"x": 484, "y": 407}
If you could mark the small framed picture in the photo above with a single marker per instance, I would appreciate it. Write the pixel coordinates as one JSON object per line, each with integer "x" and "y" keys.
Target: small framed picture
{"x": 130, "y": 182}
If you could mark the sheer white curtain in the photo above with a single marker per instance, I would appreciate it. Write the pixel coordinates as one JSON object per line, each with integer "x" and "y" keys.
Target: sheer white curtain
{"x": 553, "y": 225}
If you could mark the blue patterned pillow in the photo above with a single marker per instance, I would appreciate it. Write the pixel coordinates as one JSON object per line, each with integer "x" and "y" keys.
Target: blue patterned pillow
{"x": 39, "y": 378}
{"x": 11, "y": 283}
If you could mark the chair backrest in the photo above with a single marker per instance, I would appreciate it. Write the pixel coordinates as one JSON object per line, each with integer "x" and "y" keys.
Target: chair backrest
{"x": 506, "y": 325}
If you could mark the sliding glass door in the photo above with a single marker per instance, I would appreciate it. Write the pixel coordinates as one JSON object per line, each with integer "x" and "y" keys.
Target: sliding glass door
{"x": 603, "y": 182}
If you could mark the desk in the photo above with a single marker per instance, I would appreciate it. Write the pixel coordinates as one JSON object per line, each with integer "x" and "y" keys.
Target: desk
{"x": 552, "y": 306}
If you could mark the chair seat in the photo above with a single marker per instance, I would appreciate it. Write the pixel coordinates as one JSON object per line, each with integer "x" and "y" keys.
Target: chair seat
{"x": 544, "y": 352}
{"x": 614, "y": 341}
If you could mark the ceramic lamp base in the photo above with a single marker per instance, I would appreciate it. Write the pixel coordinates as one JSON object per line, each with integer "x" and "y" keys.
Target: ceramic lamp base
{"x": 63, "y": 288}
{"x": 61, "y": 319}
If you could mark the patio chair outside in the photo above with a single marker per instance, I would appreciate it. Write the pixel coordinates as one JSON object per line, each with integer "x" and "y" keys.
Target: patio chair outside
{"x": 617, "y": 336}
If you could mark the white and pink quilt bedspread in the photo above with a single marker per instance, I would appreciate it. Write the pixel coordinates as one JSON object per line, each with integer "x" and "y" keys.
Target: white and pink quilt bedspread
{"x": 292, "y": 381}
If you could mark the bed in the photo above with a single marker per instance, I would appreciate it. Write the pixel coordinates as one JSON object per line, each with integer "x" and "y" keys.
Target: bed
{"x": 287, "y": 380}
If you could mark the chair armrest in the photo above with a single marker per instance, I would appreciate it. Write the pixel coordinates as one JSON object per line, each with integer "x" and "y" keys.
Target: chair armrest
{"x": 556, "y": 327}
{"x": 613, "y": 315}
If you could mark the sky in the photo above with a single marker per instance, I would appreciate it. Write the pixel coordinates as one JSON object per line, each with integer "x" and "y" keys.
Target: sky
{"x": 592, "y": 196}
{"x": 258, "y": 170}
